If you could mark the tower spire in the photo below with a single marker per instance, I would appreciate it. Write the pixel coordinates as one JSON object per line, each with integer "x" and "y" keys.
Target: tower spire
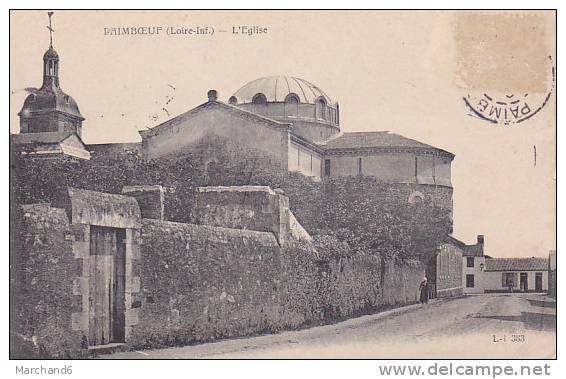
{"x": 50, "y": 30}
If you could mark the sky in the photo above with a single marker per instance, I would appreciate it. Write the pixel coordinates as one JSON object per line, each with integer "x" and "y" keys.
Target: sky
{"x": 402, "y": 71}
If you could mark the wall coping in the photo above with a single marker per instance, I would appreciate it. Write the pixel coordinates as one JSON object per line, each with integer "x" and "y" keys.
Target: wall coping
{"x": 99, "y": 208}
{"x": 265, "y": 189}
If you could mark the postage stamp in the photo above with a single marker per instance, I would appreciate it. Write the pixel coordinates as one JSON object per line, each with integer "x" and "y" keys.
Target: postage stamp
{"x": 505, "y": 66}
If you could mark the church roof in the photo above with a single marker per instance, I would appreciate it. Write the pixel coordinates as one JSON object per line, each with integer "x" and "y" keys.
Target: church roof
{"x": 51, "y": 54}
{"x": 357, "y": 140}
{"x": 43, "y": 137}
{"x": 216, "y": 105}
{"x": 276, "y": 89}
{"x": 50, "y": 98}
{"x": 50, "y": 143}
{"x": 516, "y": 264}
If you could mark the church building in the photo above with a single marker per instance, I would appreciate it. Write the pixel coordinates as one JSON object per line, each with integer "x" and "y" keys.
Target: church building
{"x": 292, "y": 123}
{"x": 296, "y": 126}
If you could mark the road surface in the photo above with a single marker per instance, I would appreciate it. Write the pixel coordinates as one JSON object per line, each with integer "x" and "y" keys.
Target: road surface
{"x": 482, "y": 326}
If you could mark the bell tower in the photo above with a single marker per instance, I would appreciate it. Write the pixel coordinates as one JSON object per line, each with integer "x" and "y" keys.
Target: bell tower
{"x": 50, "y": 61}
{"x": 49, "y": 109}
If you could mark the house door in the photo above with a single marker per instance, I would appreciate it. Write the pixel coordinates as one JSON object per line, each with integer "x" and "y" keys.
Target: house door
{"x": 106, "y": 286}
{"x": 538, "y": 281}
{"x": 524, "y": 283}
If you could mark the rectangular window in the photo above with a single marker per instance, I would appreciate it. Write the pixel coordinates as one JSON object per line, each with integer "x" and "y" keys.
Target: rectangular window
{"x": 470, "y": 262}
{"x": 327, "y": 167}
{"x": 509, "y": 279}
{"x": 416, "y": 169}
{"x": 360, "y": 166}
{"x": 469, "y": 281}
{"x": 311, "y": 162}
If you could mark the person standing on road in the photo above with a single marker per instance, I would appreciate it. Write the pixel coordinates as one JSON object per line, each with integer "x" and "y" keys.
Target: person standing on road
{"x": 423, "y": 288}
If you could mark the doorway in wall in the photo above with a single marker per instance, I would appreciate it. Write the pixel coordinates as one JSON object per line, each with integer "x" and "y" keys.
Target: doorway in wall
{"x": 538, "y": 282}
{"x": 107, "y": 285}
{"x": 524, "y": 282}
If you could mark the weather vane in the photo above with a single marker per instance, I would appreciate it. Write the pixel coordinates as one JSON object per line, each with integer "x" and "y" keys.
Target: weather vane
{"x": 50, "y": 29}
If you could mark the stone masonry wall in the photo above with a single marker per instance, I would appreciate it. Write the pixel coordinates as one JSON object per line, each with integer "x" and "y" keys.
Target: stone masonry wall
{"x": 449, "y": 271}
{"x": 195, "y": 283}
{"x": 202, "y": 283}
{"x": 46, "y": 297}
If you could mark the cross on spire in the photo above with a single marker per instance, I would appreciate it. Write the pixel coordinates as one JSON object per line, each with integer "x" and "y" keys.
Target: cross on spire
{"x": 50, "y": 29}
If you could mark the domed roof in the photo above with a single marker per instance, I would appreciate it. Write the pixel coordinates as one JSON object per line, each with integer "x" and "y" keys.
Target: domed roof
{"x": 50, "y": 99}
{"x": 50, "y": 54}
{"x": 276, "y": 88}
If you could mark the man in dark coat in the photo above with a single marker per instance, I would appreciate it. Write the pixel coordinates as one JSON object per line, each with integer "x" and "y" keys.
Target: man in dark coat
{"x": 423, "y": 288}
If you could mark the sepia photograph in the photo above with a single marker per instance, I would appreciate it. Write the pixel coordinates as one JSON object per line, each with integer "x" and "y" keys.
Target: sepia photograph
{"x": 282, "y": 184}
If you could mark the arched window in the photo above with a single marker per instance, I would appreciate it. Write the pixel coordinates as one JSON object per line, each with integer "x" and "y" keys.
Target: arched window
{"x": 292, "y": 105}
{"x": 232, "y": 100}
{"x": 416, "y": 198}
{"x": 321, "y": 109}
{"x": 259, "y": 102}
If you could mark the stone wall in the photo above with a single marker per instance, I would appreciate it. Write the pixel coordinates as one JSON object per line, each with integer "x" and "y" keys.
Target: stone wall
{"x": 44, "y": 297}
{"x": 256, "y": 208}
{"x": 189, "y": 283}
{"x": 53, "y": 260}
{"x": 201, "y": 283}
{"x": 449, "y": 271}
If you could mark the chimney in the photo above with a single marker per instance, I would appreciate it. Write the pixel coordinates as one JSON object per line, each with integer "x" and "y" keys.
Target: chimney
{"x": 150, "y": 200}
{"x": 480, "y": 244}
{"x": 212, "y": 95}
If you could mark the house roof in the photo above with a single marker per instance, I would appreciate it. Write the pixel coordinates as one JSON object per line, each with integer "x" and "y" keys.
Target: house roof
{"x": 381, "y": 139}
{"x": 475, "y": 250}
{"x": 516, "y": 264}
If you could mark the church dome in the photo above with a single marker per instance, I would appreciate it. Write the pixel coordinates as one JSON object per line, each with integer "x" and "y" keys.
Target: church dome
{"x": 277, "y": 88}
{"x": 50, "y": 99}
{"x": 50, "y": 54}
{"x": 312, "y": 114}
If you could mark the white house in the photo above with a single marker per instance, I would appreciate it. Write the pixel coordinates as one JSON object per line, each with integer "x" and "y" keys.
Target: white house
{"x": 515, "y": 274}
{"x": 473, "y": 263}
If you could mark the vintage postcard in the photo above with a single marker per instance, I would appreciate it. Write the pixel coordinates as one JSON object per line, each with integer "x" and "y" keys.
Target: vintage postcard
{"x": 282, "y": 184}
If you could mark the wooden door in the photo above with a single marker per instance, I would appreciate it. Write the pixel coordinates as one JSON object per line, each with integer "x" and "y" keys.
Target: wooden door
{"x": 524, "y": 282}
{"x": 538, "y": 282}
{"x": 106, "y": 285}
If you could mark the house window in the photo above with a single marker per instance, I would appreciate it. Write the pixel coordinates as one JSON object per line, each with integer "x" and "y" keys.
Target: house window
{"x": 359, "y": 166}
{"x": 327, "y": 167}
{"x": 469, "y": 281}
{"x": 509, "y": 279}
{"x": 470, "y": 262}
